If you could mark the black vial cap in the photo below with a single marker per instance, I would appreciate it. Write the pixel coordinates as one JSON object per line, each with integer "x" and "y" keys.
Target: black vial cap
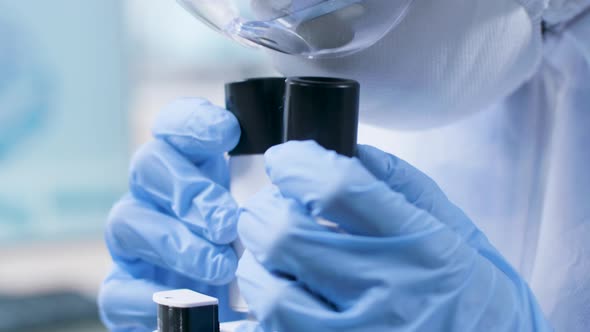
{"x": 199, "y": 319}
{"x": 325, "y": 110}
{"x": 258, "y": 105}
{"x": 183, "y": 310}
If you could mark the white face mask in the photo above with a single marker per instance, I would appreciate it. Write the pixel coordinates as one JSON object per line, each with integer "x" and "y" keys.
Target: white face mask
{"x": 446, "y": 60}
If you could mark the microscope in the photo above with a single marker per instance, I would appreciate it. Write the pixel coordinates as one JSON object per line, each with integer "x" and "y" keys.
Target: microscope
{"x": 270, "y": 111}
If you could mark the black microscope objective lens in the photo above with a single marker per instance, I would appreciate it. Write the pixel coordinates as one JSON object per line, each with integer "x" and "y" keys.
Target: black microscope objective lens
{"x": 323, "y": 109}
{"x": 273, "y": 110}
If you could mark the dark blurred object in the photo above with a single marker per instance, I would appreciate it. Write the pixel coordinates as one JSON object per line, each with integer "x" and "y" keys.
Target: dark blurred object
{"x": 46, "y": 312}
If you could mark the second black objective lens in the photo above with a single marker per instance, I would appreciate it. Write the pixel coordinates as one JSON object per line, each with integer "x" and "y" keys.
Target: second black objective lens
{"x": 323, "y": 109}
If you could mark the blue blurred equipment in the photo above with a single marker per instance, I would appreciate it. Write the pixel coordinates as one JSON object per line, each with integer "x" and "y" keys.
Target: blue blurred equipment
{"x": 45, "y": 85}
{"x": 404, "y": 258}
{"x": 174, "y": 228}
{"x": 24, "y": 88}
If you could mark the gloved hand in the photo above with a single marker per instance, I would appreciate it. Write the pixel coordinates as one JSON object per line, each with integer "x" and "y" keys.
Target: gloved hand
{"x": 404, "y": 259}
{"x": 174, "y": 228}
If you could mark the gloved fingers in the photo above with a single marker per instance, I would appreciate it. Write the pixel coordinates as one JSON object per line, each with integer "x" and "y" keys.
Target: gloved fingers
{"x": 418, "y": 188}
{"x": 162, "y": 175}
{"x": 137, "y": 230}
{"x": 342, "y": 190}
{"x": 268, "y": 223}
{"x": 287, "y": 241}
{"x": 197, "y": 128}
{"x": 279, "y": 303}
{"x": 125, "y": 303}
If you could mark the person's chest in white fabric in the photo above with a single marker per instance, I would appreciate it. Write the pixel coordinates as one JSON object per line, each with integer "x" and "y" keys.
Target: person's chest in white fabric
{"x": 561, "y": 273}
{"x": 488, "y": 164}
{"x": 521, "y": 170}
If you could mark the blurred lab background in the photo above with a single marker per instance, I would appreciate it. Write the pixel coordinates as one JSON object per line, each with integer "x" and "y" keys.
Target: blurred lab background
{"x": 80, "y": 82}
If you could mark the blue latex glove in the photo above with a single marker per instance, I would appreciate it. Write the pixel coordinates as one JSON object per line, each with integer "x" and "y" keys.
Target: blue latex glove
{"x": 407, "y": 259}
{"x": 174, "y": 228}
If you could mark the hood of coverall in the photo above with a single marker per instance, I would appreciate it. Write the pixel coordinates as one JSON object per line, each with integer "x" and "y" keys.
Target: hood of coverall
{"x": 446, "y": 60}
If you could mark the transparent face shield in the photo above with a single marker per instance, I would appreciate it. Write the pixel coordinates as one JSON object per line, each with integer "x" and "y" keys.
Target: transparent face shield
{"x": 310, "y": 28}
